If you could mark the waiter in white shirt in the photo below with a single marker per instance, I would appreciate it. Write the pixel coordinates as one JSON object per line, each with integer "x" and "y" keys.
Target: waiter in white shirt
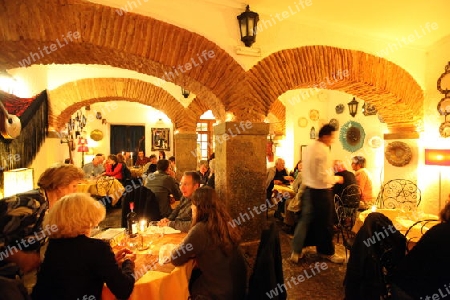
{"x": 317, "y": 200}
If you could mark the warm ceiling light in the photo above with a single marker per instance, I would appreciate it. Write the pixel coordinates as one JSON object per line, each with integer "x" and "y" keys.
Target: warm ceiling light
{"x": 185, "y": 92}
{"x": 248, "y": 21}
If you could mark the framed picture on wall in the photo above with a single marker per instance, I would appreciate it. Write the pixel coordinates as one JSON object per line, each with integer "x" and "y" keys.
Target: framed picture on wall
{"x": 160, "y": 139}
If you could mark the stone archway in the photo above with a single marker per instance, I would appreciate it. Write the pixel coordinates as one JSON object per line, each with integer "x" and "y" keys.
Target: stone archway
{"x": 69, "y": 97}
{"x": 374, "y": 79}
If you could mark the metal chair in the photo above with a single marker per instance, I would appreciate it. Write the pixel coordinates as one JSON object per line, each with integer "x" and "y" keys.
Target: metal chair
{"x": 346, "y": 206}
{"x": 423, "y": 228}
{"x": 399, "y": 193}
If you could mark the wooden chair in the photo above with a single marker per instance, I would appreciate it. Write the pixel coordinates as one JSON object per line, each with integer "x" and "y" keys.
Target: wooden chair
{"x": 399, "y": 193}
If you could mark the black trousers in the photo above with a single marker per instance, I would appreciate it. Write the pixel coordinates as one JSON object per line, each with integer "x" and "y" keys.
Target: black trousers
{"x": 322, "y": 225}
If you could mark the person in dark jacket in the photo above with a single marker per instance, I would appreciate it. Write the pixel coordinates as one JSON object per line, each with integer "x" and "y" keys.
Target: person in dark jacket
{"x": 163, "y": 186}
{"x": 349, "y": 177}
{"x": 181, "y": 216}
{"x": 75, "y": 265}
{"x": 424, "y": 270}
{"x": 377, "y": 244}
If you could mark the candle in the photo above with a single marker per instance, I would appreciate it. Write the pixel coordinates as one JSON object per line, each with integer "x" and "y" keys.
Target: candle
{"x": 374, "y": 208}
{"x": 142, "y": 225}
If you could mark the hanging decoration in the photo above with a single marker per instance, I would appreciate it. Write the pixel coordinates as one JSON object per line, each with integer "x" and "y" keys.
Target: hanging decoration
{"x": 33, "y": 115}
{"x": 352, "y": 136}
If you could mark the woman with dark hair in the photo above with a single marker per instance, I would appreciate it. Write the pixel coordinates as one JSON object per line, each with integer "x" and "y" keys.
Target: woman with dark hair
{"x": 213, "y": 242}
{"x": 113, "y": 167}
{"x": 162, "y": 154}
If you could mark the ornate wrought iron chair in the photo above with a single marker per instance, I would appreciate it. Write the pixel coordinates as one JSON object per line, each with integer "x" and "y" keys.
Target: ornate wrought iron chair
{"x": 399, "y": 193}
{"x": 424, "y": 225}
{"x": 346, "y": 206}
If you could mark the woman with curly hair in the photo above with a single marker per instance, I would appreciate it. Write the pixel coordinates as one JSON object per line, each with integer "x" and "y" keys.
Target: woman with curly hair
{"x": 213, "y": 242}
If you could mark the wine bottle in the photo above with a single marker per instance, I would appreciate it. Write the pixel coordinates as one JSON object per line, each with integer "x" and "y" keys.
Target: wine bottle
{"x": 132, "y": 221}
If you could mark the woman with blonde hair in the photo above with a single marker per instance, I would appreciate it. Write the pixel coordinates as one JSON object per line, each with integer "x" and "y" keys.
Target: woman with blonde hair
{"x": 213, "y": 242}
{"x": 76, "y": 265}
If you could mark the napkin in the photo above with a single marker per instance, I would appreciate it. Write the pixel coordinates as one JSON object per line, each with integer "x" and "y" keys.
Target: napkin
{"x": 165, "y": 253}
{"x": 163, "y": 230}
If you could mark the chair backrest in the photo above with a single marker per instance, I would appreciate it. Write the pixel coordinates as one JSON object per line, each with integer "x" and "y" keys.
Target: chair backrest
{"x": 423, "y": 225}
{"x": 375, "y": 252}
{"x": 351, "y": 196}
{"x": 267, "y": 278}
{"x": 399, "y": 193}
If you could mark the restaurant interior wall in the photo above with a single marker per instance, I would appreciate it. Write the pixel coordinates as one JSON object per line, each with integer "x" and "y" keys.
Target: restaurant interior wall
{"x": 428, "y": 176}
{"x": 297, "y": 136}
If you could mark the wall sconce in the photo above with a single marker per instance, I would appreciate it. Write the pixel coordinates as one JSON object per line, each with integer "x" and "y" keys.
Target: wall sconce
{"x": 82, "y": 142}
{"x": 248, "y": 22}
{"x": 185, "y": 92}
{"x": 437, "y": 157}
{"x": 17, "y": 181}
{"x": 353, "y": 107}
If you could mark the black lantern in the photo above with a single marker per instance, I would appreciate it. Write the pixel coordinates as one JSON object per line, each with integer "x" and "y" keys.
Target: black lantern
{"x": 248, "y": 21}
{"x": 185, "y": 92}
{"x": 353, "y": 107}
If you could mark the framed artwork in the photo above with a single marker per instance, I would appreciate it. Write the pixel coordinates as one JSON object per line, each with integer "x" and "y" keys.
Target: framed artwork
{"x": 160, "y": 139}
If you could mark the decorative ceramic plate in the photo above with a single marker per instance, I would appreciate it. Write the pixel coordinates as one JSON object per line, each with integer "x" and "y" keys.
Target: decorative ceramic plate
{"x": 339, "y": 108}
{"x": 444, "y": 129}
{"x": 314, "y": 114}
{"x": 352, "y": 136}
{"x": 398, "y": 154}
{"x": 368, "y": 109}
{"x": 443, "y": 106}
{"x": 302, "y": 122}
{"x": 334, "y": 123}
{"x": 375, "y": 141}
{"x": 96, "y": 135}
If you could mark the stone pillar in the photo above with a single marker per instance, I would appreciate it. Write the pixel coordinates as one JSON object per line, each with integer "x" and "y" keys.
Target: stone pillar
{"x": 185, "y": 152}
{"x": 240, "y": 151}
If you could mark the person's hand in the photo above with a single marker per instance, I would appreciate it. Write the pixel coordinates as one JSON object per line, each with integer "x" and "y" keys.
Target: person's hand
{"x": 163, "y": 222}
{"x": 124, "y": 254}
{"x": 290, "y": 178}
{"x": 27, "y": 261}
{"x": 279, "y": 182}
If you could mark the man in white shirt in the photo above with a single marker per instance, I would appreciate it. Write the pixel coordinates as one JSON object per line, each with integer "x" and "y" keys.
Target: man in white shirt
{"x": 316, "y": 218}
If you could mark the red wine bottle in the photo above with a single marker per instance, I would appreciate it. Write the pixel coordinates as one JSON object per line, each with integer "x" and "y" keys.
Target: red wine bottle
{"x": 132, "y": 221}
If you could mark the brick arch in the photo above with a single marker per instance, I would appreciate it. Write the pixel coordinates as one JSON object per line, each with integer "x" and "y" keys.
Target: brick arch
{"x": 278, "y": 110}
{"x": 374, "y": 79}
{"x": 131, "y": 41}
{"x": 69, "y": 97}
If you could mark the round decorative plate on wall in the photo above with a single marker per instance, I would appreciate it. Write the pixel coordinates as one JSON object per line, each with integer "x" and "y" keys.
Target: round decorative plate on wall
{"x": 352, "y": 136}
{"x": 334, "y": 123}
{"x": 398, "y": 154}
{"x": 302, "y": 122}
{"x": 314, "y": 114}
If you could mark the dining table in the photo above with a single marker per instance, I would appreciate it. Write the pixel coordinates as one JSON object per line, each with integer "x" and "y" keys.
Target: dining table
{"x": 154, "y": 280}
{"x": 102, "y": 186}
{"x": 405, "y": 221}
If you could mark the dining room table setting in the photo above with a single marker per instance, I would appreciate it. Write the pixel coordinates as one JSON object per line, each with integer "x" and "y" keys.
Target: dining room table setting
{"x": 156, "y": 277}
{"x": 411, "y": 223}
